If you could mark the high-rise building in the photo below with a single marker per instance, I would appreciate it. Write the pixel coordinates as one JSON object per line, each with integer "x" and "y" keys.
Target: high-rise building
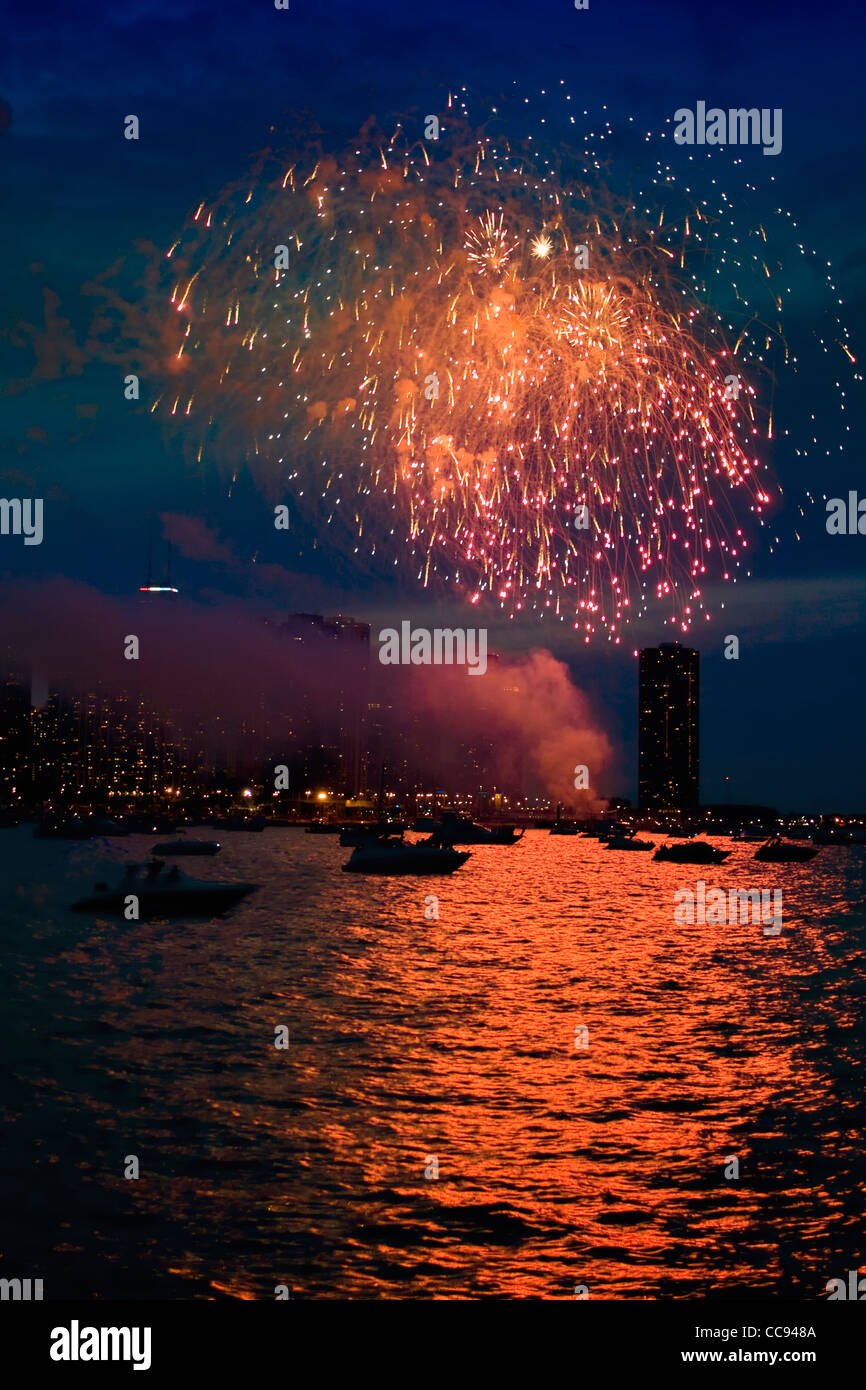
{"x": 668, "y": 728}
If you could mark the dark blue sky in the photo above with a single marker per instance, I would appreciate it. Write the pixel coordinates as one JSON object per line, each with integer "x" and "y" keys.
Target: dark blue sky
{"x": 784, "y": 724}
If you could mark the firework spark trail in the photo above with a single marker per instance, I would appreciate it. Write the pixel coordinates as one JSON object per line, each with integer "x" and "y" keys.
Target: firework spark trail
{"x": 436, "y": 359}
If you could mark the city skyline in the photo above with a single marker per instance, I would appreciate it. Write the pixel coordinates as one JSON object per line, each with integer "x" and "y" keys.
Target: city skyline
{"x": 150, "y": 747}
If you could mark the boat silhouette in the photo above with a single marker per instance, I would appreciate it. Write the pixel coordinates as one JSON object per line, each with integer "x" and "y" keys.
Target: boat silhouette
{"x": 391, "y": 855}
{"x": 691, "y": 852}
{"x": 172, "y": 894}
{"x": 460, "y": 830}
{"x": 775, "y": 851}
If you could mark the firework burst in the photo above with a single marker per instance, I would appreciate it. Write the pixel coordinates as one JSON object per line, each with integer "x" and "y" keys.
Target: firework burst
{"x": 488, "y": 245}
{"x": 512, "y": 375}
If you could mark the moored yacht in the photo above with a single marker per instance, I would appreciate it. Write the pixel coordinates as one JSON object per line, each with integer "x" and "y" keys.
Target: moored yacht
{"x": 776, "y": 851}
{"x": 628, "y": 840}
{"x": 459, "y": 830}
{"x": 692, "y": 852}
{"x": 159, "y": 894}
{"x": 392, "y": 855}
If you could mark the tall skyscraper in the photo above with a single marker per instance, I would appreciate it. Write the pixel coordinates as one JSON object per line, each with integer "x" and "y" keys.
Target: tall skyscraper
{"x": 668, "y": 728}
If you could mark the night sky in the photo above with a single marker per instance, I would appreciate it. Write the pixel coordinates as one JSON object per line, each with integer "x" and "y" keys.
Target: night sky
{"x": 784, "y": 724}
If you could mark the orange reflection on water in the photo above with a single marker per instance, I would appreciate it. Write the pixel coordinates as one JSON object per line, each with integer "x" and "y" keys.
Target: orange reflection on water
{"x": 435, "y": 1127}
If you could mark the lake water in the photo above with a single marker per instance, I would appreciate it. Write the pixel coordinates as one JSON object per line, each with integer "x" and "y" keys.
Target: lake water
{"x": 413, "y": 1039}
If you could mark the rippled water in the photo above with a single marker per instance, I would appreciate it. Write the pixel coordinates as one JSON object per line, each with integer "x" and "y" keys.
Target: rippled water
{"x": 412, "y": 1038}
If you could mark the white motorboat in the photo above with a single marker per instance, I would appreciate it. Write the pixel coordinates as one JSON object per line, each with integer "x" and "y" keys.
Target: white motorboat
{"x": 158, "y": 894}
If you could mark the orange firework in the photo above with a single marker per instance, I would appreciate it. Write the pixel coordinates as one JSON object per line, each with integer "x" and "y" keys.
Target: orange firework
{"x": 514, "y": 373}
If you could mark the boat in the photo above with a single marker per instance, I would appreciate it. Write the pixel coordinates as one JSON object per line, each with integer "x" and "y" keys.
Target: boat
{"x": 775, "y": 851}
{"x": 627, "y": 841}
{"x": 460, "y": 830}
{"x": 392, "y": 855}
{"x": 161, "y": 895}
{"x": 692, "y": 852}
{"x": 323, "y": 827}
{"x": 176, "y": 847}
{"x": 501, "y": 835}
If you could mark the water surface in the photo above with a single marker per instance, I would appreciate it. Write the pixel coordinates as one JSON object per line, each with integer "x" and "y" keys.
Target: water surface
{"x": 413, "y": 1038}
